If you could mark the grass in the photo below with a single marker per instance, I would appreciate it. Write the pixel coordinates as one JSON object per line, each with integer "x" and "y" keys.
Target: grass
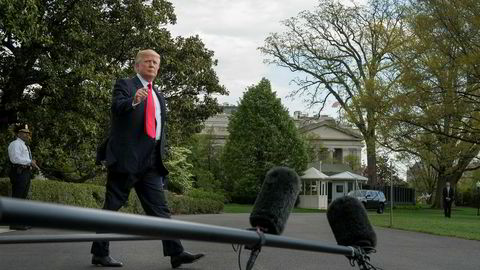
{"x": 464, "y": 222}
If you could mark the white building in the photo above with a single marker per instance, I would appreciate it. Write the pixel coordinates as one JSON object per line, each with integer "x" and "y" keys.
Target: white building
{"x": 333, "y": 143}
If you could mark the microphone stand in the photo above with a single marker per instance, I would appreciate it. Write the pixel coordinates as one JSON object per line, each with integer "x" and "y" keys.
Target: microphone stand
{"x": 255, "y": 248}
{"x": 361, "y": 258}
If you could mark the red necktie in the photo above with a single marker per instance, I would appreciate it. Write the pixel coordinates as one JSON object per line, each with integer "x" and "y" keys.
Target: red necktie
{"x": 150, "y": 114}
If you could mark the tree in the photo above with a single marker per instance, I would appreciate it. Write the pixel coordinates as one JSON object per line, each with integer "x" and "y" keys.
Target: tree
{"x": 58, "y": 61}
{"x": 261, "y": 135}
{"x": 423, "y": 178}
{"x": 345, "y": 53}
{"x": 180, "y": 170}
{"x": 387, "y": 171}
{"x": 206, "y": 161}
{"x": 432, "y": 107}
{"x": 353, "y": 161}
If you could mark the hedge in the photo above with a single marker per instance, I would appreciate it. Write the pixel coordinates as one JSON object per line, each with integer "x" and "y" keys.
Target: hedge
{"x": 93, "y": 196}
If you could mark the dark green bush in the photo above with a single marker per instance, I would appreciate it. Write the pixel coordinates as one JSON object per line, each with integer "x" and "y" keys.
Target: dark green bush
{"x": 408, "y": 206}
{"x": 204, "y": 194}
{"x": 93, "y": 196}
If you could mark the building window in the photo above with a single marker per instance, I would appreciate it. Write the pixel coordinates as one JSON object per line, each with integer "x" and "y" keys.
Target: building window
{"x": 350, "y": 186}
{"x": 339, "y": 189}
{"x": 338, "y": 155}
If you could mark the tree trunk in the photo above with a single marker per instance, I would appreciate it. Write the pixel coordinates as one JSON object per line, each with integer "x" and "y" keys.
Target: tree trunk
{"x": 437, "y": 199}
{"x": 371, "y": 161}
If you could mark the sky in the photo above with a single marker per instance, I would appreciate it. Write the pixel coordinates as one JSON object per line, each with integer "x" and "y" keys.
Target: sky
{"x": 234, "y": 30}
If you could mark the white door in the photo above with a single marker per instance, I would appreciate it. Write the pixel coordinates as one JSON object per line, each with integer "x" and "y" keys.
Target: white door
{"x": 338, "y": 190}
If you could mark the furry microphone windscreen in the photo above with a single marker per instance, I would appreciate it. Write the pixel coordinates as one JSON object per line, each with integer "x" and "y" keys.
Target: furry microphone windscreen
{"x": 349, "y": 222}
{"x": 276, "y": 199}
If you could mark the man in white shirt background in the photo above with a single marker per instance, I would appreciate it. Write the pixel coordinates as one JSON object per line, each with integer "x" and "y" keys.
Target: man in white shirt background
{"x": 22, "y": 165}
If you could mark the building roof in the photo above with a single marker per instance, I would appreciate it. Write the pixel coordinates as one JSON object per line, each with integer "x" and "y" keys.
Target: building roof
{"x": 313, "y": 173}
{"x": 348, "y": 176}
{"x": 334, "y": 168}
{"x": 349, "y": 131}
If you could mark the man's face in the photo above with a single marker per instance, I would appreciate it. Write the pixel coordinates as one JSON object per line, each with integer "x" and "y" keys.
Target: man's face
{"x": 148, "y": 67}
{"x": 448, "y": 185}
{"x": 25, "y": 136}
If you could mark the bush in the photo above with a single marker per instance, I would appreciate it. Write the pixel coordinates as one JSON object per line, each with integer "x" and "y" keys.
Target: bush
{"x": 205, "y": 194}
{"x": 181, "y": 204}
{"x": 410, "y": 206}
{"x": 93, "y": 196}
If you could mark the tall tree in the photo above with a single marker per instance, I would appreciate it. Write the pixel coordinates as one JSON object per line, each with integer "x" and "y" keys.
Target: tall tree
{"x": 423, "y": 178}
{"x": 261, "y": 135}
{"x": 345, "y": 53}
{"x": 206, "y": 161}
{"x": 58, "y": 61}
{"x": 387, "y": 171}
{"x": 434, "y": 103}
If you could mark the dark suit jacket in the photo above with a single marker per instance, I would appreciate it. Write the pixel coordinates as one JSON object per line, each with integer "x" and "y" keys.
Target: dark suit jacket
{"x": 450, "y": 194}
{"x": 128, "y": 149}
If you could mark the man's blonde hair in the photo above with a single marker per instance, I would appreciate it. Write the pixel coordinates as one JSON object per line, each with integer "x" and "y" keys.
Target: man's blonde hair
{"x": 142, "y": 53}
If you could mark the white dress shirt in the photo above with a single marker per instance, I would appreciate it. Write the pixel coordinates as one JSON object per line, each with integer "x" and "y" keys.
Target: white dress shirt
{"x": 157, "y": 108}
{"x": 19, "y": 153}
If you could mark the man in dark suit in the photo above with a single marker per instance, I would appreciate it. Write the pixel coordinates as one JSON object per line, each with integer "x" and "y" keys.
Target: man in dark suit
{"x": 133, "y": 154}
{"x": 448, "y": 196}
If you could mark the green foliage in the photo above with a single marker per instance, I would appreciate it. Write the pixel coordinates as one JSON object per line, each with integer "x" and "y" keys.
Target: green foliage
{"x": 58, "y": 61}
{"x": 262, "y": 135}
{"x": 180, "y": 176}
{"x": 435, "y": 115}
{"x": 387, "y": 171}
{"x": 205, "y": 194}
{"x": 423, "y": 178}
{"x": 93, "y": 196}
{"x": 353, "y": 161}
{"x": 345, "y": 52}
{"x": 466, "y": 192}
{"x": 206, "y": 161}
{"x": 181, "y": 204}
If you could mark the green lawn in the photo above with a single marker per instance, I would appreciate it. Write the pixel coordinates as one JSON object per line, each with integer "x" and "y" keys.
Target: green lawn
{"x": 464, "y": 222}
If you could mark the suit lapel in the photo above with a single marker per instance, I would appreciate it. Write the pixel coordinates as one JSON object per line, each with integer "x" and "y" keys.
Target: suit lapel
{"x": 137, "y": 83}
{"x": 161, "y": 100}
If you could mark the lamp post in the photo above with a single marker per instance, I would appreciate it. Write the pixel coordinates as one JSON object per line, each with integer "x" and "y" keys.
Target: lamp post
{"x": 478, "y": 198}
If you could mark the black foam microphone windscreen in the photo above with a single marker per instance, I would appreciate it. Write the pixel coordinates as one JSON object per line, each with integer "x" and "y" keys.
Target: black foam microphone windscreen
{"x": 349, "y": 222}
{"x": 276, "y": 199}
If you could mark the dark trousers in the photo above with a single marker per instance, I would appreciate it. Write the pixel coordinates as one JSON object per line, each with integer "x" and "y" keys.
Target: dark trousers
{"x": 20, "y": 180}
{"x": 447, "y": 208}
{"x": 149, "y": 189}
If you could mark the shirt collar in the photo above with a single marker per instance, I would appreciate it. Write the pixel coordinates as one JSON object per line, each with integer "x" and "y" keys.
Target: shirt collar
{"x": 20, "y": 140}
{"x": 143, "y": 81}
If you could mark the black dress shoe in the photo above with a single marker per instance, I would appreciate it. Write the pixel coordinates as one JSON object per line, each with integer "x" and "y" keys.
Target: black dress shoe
{"x": 184, "y": 258}
{"x": 106, "y": 261}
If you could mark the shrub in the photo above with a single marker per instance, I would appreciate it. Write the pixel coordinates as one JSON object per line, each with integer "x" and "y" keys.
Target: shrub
{"x": 182, "y": 204}
{"x": 93, "y": 196}
{"x": 409, "y": 206}
{"x": 205, "y": 194}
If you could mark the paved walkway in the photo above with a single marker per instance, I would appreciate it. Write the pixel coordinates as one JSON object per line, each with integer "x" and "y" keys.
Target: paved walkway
{"x": 396, "y": 250}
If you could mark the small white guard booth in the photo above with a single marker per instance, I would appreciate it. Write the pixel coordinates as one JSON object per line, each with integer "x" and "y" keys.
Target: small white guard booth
{"x": 313, "y": 193}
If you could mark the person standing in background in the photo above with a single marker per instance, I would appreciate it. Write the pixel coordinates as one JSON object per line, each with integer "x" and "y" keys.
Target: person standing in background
{"x": 448, "y": 196}
{"x": 22, "y": 165}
